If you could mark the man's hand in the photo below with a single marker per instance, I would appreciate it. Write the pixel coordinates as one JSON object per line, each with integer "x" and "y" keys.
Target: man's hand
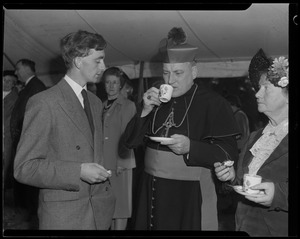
{"x": 224, "y": 173}
{"x": 179, "y": 145}
{"x": 93, "y": 173}
{"x": 150, "y": 98}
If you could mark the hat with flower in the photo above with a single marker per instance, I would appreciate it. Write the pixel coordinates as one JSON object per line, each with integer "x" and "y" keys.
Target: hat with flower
{"x": 175, "y": 49}
{"x": 277, "y": 70}
{"x": 278, "y": 73}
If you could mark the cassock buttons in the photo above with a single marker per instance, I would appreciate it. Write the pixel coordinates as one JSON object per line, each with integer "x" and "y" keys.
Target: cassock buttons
{"x": 77, "y": 147}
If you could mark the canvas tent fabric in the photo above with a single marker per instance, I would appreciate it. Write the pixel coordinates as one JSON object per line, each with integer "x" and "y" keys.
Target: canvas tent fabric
{"x": 227, "y": 40}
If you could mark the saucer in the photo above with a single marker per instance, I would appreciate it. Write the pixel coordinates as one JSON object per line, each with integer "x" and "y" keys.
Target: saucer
{"x": 160, "y": 139}
{"x": 239, "y": 189}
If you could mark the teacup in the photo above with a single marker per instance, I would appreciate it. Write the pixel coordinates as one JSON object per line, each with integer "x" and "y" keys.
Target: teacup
{"x": 249, "y": 181}
{"x": 165, "y": 93}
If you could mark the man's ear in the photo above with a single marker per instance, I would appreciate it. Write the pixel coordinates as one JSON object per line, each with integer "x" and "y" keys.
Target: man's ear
{"x": 77, "y": 62}
{"x": 194, "y": 71}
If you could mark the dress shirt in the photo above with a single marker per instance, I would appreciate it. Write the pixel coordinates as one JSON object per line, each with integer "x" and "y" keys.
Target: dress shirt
{"x": 5, "y": 93}
{"x": 76, "y": 88}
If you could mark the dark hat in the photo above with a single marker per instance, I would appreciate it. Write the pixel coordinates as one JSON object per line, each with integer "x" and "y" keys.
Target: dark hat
{"x": 9, "y": 73}
{"x": 259, "y": 63}
{"x": 175, "y": 49}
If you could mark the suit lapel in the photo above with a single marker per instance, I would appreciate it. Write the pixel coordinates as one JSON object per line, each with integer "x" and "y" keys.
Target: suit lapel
{"x": 74, "y": 110}
{"x": 96, "y": 111}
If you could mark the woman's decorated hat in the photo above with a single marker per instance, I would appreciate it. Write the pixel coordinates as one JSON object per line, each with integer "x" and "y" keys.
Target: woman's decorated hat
{"x": 277, "y": 69}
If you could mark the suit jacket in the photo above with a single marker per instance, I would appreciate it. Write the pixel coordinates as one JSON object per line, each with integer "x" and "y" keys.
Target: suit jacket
{"x": 55, "y": 141}
{"x": 34, "y": 86}
{"x": 254, "y": 218}
{"x": 8, "y": 104}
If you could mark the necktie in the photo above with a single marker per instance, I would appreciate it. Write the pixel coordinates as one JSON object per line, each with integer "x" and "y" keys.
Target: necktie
{"x": 87, "y": 109}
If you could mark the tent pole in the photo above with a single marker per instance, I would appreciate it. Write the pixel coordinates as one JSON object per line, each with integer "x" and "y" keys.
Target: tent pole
{"x": 9, "y": 60}
{"x": 141, "y": 82}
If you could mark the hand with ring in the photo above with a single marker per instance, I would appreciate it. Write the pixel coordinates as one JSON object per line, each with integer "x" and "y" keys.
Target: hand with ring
{"x": 150, "y": 99}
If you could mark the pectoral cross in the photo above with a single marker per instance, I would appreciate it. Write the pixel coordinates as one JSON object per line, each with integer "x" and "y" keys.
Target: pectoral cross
{"x": 168, "y": 124}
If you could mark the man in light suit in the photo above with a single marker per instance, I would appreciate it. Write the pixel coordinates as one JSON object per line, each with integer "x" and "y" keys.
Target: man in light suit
{"x": 60, "y": 152}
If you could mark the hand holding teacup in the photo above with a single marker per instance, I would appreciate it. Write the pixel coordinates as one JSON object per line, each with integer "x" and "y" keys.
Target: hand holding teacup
{"x": 267, "y": 197}
{"x": 249, "y": 181}
{"x": 150, "y": 99}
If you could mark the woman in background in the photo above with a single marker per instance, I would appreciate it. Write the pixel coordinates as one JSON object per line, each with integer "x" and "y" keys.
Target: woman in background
{"x": 117, "y": 112}
{"x": 265, "y": 153}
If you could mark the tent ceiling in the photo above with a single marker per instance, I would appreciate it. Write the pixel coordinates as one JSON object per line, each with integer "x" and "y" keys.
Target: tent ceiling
{"x": 133, "y": 36}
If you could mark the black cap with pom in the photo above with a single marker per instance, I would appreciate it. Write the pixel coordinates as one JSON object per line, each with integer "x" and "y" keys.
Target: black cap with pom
{"x": 175, "y": 48}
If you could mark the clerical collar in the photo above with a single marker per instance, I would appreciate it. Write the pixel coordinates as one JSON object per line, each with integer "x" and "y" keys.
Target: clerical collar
{"x": 188, "y": 93}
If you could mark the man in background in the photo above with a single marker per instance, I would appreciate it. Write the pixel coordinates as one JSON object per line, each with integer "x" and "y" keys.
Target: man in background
{"x": 25, "y": 197}
{"x": 10, "y": 96}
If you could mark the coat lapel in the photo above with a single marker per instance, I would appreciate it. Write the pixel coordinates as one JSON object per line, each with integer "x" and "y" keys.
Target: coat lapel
{"x": 74, "y": 110}
{"x": 281, "y": 149}
{"x": 248, "y": 156}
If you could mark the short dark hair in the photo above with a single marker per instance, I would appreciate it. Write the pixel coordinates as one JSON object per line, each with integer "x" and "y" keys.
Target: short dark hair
{"x": 78, "y": 44}
{"x": 9, "y": 73}
{"x": 27, "y": 62}
{"x": 116, "y": 71}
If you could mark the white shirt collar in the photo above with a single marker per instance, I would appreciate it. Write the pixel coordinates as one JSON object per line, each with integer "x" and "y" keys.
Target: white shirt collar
{"x": 5, "y": 93}
{"x": 29, "y": 79}
{"x": 76, "y": 88}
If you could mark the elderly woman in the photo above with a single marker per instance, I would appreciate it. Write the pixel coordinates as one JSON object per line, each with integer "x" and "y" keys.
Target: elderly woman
{"x": 117, "y": 112}
{"x": 265, "y": 154}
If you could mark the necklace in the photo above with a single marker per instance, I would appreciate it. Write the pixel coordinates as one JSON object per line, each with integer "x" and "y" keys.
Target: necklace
{"x": 169, "y": 122}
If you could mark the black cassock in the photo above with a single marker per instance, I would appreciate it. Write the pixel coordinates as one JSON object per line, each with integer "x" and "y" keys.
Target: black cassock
{"x": 170, "y": 204}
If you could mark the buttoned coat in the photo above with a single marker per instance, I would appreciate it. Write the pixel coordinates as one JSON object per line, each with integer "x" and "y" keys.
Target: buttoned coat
{"x": 55, "y": 141}
{"x": 253, "y": 218}
{"x": 115, "y": 121}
